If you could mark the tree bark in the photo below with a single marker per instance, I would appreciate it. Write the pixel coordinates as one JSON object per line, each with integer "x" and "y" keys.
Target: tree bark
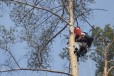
{"x": 105, "y": 64}
{"x": 72, "y": 56}
{"x": 106, "y": 71}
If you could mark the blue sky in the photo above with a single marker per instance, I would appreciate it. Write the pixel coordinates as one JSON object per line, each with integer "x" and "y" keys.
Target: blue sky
{"x": 99, "y": 18}
{"x": 103, "y": 17}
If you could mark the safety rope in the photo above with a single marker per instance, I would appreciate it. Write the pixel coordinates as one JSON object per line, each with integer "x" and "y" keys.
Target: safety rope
{"x": 77, "y": 22}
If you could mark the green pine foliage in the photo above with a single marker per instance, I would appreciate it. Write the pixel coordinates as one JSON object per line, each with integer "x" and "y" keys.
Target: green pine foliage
{"x": 103, "y": 36}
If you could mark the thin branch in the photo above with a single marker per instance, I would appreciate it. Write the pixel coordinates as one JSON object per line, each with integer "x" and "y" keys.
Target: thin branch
{"x": 98, "y": 50}
{"x": 110, "y": 45}
{"x": 42, "y": 8}
{"x": 86, "y": 19}
{"x": 30, "y": 69}
{"x": 11, "y": 54}
{"x": 110, "y": 61}
{"x": 29, "y": 11}
{"x": 46, "y": 18}
{"x": 98, "y": 9}
{"x": 110, "y": 70}
{"x": 88, "y": 22}
{"x": 54, "y": 37}
{"x": 13, "y": 58}
{"x": 33, "y": 9}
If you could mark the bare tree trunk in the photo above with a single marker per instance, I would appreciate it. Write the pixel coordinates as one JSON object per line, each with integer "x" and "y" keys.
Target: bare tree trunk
{"x": 106, "y": 70}
{"x": 105, "y": 64}
{"x": 72, "y": 56}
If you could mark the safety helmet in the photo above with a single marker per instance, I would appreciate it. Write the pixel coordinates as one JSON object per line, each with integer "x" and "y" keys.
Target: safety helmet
{"x": 77, "y": 31}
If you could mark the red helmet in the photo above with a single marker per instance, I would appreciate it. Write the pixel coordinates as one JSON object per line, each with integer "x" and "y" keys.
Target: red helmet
{"x": 77, "y": 31}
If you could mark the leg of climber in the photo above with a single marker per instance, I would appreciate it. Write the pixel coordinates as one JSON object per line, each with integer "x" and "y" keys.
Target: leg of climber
{"x": 77, "y": 49}
{"x": 83, "y": 52}
{"x": 83, "y": 49}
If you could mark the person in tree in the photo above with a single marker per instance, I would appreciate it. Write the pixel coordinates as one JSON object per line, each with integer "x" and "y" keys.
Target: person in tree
{"x": 82, "y": 42}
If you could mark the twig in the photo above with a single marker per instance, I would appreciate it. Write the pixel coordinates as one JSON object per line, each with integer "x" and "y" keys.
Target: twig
{"x": 11, "y": 54}
{"x": 109, "y": 45}
{"x": 54, "y": 37}
{"x": 110, "y": 61}
{"x": 98, "y": 9}
{"x": 98, "y": 50}
{"x": 110, "y": 70}
{"x": 42, "y": 8}
{"x": 46, "y": 19}
{"x": 29, "y": 11}
{"x": 13, "y": 58}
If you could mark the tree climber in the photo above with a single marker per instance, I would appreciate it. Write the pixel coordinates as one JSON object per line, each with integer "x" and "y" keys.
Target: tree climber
{"x": 82, "y": 42}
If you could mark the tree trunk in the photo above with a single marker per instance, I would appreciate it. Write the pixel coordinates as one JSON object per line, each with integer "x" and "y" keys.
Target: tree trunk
{"x": 105, "y": 64}
{"x": 72, "y": 56}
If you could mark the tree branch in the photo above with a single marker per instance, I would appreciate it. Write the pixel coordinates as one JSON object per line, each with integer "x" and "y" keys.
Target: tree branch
{"x": 98, "y": 9}
{"x": 110, "y": 44}
{"x": 6, "y": 49}
{"x": 54, "y": 13}
{"x": 110, "y": 61}
{"x": 42, "y": 8}
{"x": 54, "y": 37}
{"x": 46, "y": 18}
{"x": 13, "y": 58}
{"x": 30, "y": 69}
{"x": 110, "y": 70}
{"x": 29, "y": 11}
{"x": 98, "y": 50}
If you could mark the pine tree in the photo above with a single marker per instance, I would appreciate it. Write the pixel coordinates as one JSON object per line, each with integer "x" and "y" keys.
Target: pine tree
{"x": 104, "y": 53}
{"x": 39, "y": 20}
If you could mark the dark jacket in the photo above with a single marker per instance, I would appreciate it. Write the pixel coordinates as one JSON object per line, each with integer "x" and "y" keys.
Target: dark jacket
{"x": 86, "y": 39}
